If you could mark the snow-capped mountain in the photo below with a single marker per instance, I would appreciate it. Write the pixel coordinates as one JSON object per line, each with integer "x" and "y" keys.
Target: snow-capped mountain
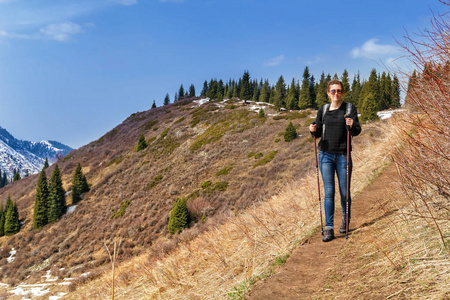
{"x": 27, "y": 157}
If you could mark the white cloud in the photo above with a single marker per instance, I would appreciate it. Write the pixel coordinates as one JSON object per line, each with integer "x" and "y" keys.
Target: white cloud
{"x": 126, "y": 2}
{"x": 317, "y": 59}
{"x": 62, "y": 31}
{"x": 273, "y": 62}
{"x": 372, "y": 50}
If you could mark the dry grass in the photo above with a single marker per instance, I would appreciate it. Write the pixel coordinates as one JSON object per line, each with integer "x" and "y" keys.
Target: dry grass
{"x": 221, "y": 262}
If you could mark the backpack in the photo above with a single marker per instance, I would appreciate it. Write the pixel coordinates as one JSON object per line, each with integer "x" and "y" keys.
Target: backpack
{"x": 348, "y": 109}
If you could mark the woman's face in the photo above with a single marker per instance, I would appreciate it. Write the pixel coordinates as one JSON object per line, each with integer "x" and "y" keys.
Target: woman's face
{"x": 335, "y": 93}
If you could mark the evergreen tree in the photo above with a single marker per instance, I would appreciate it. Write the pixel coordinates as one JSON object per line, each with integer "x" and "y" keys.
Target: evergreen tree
{"x": 290, "y": 133}
{"x": 304, "y": 100}
{"x": 312, "y": 90}
{"x": 205, "y": 89}
{"x": 256, "y": 91}
{"x": 212, "y": 89}
{"x": 356, "y": 89}
{"x": 293, "y": 94}
{"x": 79, "y": 184}
{"x": 2, "y": 220}
{"x": 369, "y": 108}
{"x": 154, "y": 104}
{"x": 4, "y": 179}
{"x": 46, "y": 165}
{"x": 412, "y": 84}
{"x": 181, "y": 92}
{"x": 191, "y": 91}
{"x": 1, "y": 180}
{"x": 56, "y": 197}
{"x": 179, "y": 216}
{"x": 175, "y": 98}
{"x": 279, "y": 99}
{"x": 265, "y": 92}
{"x": 41, "y": 202}
{"x": 261, "y": 113}
{"x": 322, "y": 96}
{"x": 346, "y": 84}
{"x": 395, "y": 92}
{"x": 141, "y": 145}
{"x": 166, "y": 99}
{"x": 385, "y": 90}
{"x": 12, "y": 224}
{"x": 246, "y": 89}
{"x": 16, "y": 175}
{"x": 220, "y": 90}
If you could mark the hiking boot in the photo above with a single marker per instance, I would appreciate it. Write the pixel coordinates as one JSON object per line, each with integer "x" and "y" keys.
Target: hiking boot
{"x": 328, "y": 236}
{"x": 343, "y": 227}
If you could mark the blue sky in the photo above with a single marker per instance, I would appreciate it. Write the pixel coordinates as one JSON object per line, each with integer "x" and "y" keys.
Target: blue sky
{"x": 71, "y": 70}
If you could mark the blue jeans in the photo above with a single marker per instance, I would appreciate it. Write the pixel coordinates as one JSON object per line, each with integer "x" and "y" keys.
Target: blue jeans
{"x": 329, "y": 164}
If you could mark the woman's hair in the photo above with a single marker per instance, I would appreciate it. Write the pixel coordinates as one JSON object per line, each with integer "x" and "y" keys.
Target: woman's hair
{"x": 335, "y": 81}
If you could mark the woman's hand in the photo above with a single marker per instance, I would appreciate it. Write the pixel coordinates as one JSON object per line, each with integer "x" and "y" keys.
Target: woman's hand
{"x": 349, "y": 122}
{"x": 313, "y": 127}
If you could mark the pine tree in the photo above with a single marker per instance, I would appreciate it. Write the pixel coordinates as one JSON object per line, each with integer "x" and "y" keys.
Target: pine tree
{"x": 291, "y": 101}
{"x": 16, "y": 175}
{"x": 2, "y": 220}
{"x": 12, "y": 224}
{"x": 56, "y": 197}
{"x": 191, "y": 91}
{"x": 154, "y": 104}
{"x": 395, "y": 92}
{"x": 46, "y": 165}
{"x": 322, "y": 96}
{"x": 279, "y": 97}
{"x": 179, "y": 216}
{"x": 141, "y": 145}
{"x": 41, "y": 202}
{"x": 246, "y": 89}
{"x": 205, "y": 89}
{"x": 1, "y": 180}
{"x": 166, "y": 99}
{"x": 369, "y": 108}
{"x": 304, "y": 100}
{"x": 356, "y": 89}
{"x": 256, "y": 91}
{"x": 290, "y": 133}
{"x": 261, "y": 113}
{"x": 79, "y": 184}
{"x": 212, "y": 89}
{"x": 4, "y": 179}
{"x": 181, "y": 93}
{"x": 265, "y": 92}
{"x": 346, "y": 84}
{"x": 312, "y": 91}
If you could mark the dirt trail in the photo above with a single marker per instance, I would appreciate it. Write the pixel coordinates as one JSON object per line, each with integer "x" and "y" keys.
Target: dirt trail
{"x": 308, "y": 270}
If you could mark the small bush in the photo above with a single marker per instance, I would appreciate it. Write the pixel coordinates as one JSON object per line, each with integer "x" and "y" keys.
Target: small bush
{"x": 265, "y": 159}
{"x": 121, "y": 211}
{"x": 258, "y": 155}
{"x": 155, "y": 181}
{"x": 150, "y": 124}
{"x": 206, "y": 184}
{"x": 290, "y": 133}
{"x": 165, "y": 132}
{"x": 224, "y": 171}
{"x": 179, "y": 216}
{"x": 277, "y": 140}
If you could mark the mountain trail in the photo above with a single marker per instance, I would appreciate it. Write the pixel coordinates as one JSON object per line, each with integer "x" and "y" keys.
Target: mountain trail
{"x": 311, "y": 268}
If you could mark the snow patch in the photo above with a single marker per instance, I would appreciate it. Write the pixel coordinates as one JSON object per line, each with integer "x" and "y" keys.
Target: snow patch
{"x": 71, "y": 209}
{"x": 386, "y": 114}
{"x": 12, "y": 255}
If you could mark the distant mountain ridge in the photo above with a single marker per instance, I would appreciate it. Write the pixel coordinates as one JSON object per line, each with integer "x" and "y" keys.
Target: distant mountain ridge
{"x": 27, "y": 156}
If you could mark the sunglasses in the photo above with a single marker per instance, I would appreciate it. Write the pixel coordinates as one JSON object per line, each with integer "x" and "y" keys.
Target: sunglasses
{"x": 339, "y": 91}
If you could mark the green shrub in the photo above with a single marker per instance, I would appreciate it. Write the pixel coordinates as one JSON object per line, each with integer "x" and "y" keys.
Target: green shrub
{"x": 224, "y": 171}
{"x": 251, "y": 154}
{"x": 180, "y": 120}
{"x": 149, "y": 124}
{"x": 155, "y": 181}
{"x": 258, "y": 155}
{"x": 141, "y": 145}
{"x": 121, "y": 211}
{"x": 261, "y": 113}
{"x": 277, "y": 140}
{"x": 206, "y": 184}
{"x": 290, "y": 133}
{"x": 265, "y": 159}
{"x": 179, "y": 216}
{"x": 165, "y": 132}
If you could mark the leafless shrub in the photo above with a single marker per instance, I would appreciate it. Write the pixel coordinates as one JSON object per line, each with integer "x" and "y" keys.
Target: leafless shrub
{"x": 423, "y": 158}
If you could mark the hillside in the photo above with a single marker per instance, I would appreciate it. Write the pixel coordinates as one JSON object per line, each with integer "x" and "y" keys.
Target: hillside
{"x": 245, "y": 158}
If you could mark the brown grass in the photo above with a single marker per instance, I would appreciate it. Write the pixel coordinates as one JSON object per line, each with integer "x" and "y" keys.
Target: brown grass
{"x": 222, "y": 261}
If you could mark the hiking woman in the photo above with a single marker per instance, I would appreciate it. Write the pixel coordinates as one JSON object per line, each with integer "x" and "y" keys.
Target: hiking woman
{"x": 332, "y": 122}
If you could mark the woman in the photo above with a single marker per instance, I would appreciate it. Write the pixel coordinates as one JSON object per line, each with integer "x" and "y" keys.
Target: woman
{"x": 332, "y": 122}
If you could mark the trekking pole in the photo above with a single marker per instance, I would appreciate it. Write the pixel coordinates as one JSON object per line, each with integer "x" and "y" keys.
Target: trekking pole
{"x": 318, "y": 184}
{"x": 348, "y": 182}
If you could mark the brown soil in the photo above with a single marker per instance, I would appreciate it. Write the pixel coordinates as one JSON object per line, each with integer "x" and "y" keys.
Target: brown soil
{"x": 316, "y": 269}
